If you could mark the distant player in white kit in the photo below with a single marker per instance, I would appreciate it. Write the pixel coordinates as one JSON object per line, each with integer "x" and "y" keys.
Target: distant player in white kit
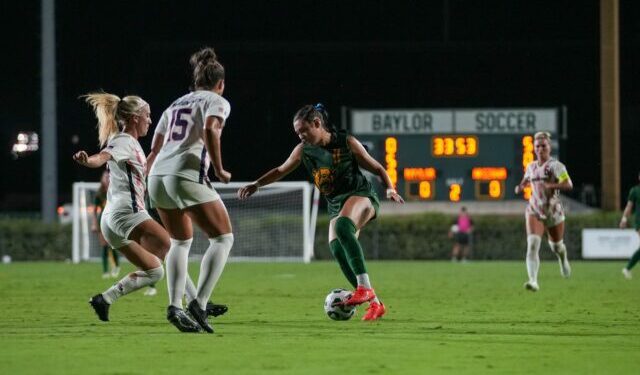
{"x": 547, "y": 177}
{"x": 186, "y": 141}
{"x": 125, "y": 224}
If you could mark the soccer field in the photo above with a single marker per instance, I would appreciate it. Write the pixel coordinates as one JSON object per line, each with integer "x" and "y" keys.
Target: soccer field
{"x": 442, "y": 318}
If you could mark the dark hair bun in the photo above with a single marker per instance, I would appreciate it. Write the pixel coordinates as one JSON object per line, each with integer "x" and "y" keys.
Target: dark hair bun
{"x": 203, "y": 57}
{"x": 323, "y": 111}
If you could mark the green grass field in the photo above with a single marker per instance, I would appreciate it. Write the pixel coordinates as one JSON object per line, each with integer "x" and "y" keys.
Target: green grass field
{"x": 443, "y": 318}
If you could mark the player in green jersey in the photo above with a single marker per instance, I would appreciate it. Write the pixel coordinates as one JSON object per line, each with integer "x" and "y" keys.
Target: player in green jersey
{"x": 633, "y": 204}
{"x": 333, "y": 159}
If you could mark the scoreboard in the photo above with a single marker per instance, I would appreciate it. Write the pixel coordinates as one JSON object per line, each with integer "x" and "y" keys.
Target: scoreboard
{"x": 454, "y": 154}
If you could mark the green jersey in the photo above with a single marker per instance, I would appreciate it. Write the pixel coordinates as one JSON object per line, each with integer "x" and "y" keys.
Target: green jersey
{"x": 335, "y": 172}
{"x": 634, "y": 197}
{"x": 99, "y": 202}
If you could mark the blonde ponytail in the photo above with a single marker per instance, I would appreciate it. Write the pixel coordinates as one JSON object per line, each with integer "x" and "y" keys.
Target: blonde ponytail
{"x": 105, "y": 106}
{"x": 112, "y": 112}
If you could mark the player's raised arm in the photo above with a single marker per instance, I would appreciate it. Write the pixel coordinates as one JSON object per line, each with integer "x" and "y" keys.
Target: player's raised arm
{"x": 520, "y": 187}
{"x": 93, "y": 161}
{"x": 292, "y": 162}
{"x": 370, "y": 164}
{"x": 211, "y": 135}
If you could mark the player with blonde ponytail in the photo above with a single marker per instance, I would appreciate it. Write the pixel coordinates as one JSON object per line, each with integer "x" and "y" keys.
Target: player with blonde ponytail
{"x": 125, "y": 224}
{"x": 547, "y": 177}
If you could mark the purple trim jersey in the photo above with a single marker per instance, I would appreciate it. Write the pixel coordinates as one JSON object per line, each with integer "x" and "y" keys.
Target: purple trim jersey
{"x": 183, "y": 152}
{"x": 127, "y": 169}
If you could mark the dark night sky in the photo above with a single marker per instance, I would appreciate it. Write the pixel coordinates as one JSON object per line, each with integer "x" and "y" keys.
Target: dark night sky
{"x": 281, "y": 55}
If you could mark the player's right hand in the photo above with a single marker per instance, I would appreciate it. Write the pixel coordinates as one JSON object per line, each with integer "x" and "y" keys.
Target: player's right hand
{"x": 518, "y": 189}
{"x": 81, "y": 157}
{"x": 223, "y": 176}
{"x": 623, "y": 224}
{"x": 247, "y": 191}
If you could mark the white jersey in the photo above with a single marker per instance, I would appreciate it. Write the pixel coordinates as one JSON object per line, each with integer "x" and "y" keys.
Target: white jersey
{"x": 183, "y": 153}
{"x": 127, "y": 169}
{"x": 537, "y": 174}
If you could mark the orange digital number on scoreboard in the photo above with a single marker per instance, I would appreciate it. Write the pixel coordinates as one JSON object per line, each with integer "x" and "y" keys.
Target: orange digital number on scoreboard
{"x": 527, "y": 157}
{"x": 391, "y": 148}
{"x": 458, "y": 146}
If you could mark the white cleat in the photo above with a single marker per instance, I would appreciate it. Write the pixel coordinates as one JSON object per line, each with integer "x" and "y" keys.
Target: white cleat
{"x": 627, "y": 273}
{"x": 532, "y": 286}
{"x": 150, "y": 292}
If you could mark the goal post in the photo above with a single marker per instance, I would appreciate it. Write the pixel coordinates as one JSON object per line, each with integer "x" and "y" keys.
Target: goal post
{"x": 276, "y": 224}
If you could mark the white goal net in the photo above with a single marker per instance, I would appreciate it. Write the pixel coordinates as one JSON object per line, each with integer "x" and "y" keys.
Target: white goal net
{"x": 275, "y": 224}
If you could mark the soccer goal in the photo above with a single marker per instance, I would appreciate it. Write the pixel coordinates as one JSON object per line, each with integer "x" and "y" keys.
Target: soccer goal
{"x": 277, "y": 224}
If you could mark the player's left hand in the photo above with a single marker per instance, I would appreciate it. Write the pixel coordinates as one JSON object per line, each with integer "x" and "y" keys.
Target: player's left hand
{"x": 393, "y": 195}
{"x": 81, "y": 157}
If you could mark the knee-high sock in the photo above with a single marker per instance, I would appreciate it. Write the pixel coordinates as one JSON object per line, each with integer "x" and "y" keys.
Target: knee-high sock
{"x": 341, "y": 256}
{"x": 559, "y": 248}
{"x": 133, "y": 282}
{"x": 346, "y": 233}
{"x": 213, "y": 263}
{"x": 634, "y": 259}
{"x": 177, "y": 262}
{"x": 190, "y": 290}
{"x": 533, "y": 257}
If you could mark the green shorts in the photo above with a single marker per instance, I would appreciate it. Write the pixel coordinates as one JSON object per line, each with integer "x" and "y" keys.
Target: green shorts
{"x": 334, "y": 205}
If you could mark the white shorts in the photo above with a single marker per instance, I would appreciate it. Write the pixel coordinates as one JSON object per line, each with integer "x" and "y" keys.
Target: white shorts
{"x": 117, "y": 226}
{"x": 170, "y": 192}
{"x": 552, "y": 216}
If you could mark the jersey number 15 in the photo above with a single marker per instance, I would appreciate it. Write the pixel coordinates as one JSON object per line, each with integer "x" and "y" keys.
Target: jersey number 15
{"x": 180, "y": 120}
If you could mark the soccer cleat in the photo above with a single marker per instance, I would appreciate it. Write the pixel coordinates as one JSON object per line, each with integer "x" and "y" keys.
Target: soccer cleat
{"x": 360, "y": 296}
{"x": 199, "y": 315}
{"x": 181, "y": 320}
{"x": 215, "y": 309}
{"x": 532, "y": 286}
{"x": 100, "y": 306}
{"x": 150, "y": 292}
{"x": 375, "y": 311}
{"x": 627, "y": 273}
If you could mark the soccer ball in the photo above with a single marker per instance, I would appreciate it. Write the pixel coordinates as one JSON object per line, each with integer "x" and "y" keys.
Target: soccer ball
{"x": 340, "y": 312}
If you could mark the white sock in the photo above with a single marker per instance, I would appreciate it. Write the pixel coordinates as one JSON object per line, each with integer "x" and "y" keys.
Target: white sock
{"x": 533, "y": 257}
{"x": 133, "y": 282}
{"x": 213, "y": 263}
{"x": 363, "y": 279}
{"x": 559, "y": 249}
{"x": 190, "y": 291}
{"x": 177, "y": 262}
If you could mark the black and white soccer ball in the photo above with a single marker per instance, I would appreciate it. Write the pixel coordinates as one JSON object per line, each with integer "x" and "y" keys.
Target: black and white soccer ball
{"x": 338, "y": 312}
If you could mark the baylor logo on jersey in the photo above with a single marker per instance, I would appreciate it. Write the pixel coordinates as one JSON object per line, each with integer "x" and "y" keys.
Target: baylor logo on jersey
{"x": 323, "y": 178}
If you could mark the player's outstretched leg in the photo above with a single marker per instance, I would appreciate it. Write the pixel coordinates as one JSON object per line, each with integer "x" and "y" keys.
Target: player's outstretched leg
{"x": 533, "y": 262}
{"x": 346, "y": 233}
{"x": 626, "y": 271}
{"x": 341, "y": 257}
{"x": 560, "y": 250}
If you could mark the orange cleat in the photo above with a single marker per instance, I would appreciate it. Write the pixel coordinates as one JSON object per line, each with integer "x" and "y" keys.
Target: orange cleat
{"x": 360, "y": 296}
{"x": 375, "y": 311}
